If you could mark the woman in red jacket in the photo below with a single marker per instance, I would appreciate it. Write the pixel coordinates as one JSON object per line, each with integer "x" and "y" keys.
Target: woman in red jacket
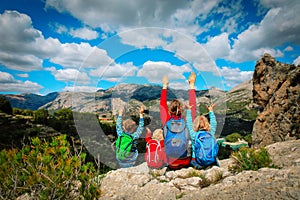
{"x": 175, "y": 113}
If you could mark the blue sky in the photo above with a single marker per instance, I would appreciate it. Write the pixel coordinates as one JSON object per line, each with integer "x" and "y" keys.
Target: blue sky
{"x": 61, "y": 45}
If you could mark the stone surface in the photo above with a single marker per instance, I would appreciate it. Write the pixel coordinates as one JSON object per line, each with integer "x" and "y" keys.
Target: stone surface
{"x": 276, "y": 90}
{"x": 214, "y": 183}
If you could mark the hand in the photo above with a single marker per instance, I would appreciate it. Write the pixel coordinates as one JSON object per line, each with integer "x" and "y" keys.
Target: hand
{"x": 165, "y": 82}
{"x": 142, "y": 109}
{"x": 121, "y": 110}
{"x": 211, "y": 107}
{"x": 188, "y": 106}
{"x": 192, "y": 80}
{"x": 148, "y": 130}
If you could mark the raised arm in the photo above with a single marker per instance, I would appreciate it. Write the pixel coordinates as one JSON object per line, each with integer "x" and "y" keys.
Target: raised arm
{"x": 192, "y": 94}
{"x": 189, "y": 122}
{"x": 140, "y": 128}
{"x": 148, "y": 135}
{"x": 164, "y": 114}
{"x": 212, "y": 117}
{"x": 119, "y": 122}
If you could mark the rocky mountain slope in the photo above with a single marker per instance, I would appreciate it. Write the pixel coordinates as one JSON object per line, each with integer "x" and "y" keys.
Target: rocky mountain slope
{"x": 232, "y": 112}
{"x": 216, "y": 183}
{"x": 31, "y": 101}
{"x": 276, "y": 89}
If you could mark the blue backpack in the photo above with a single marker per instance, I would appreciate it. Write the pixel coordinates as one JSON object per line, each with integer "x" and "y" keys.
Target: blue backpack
{"x": 176, "y": 139}
{"x": 206, "y": 148}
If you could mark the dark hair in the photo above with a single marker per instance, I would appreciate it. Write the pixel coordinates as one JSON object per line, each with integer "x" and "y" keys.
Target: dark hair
{"x": 176, "y": 108}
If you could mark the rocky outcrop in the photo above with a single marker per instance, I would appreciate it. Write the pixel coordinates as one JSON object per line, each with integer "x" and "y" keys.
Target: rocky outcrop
{"x": 276, "y": 90}
{"x": 215, "y": 183}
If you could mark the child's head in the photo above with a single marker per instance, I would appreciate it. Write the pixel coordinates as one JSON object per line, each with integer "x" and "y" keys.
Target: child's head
{"x": 201, "y": 123}
{"x": 129, "y": 126}
{"x": 176, "y": 108}
{"x": 158, "y": 134}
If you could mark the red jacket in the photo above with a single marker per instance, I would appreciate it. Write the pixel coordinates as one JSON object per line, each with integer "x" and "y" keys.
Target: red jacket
{"x": 164, "y": 111}
{"x": 175, "y": 163}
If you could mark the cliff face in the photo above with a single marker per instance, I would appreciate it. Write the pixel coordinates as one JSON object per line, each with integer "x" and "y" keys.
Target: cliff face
{"x": 276, "y": 90}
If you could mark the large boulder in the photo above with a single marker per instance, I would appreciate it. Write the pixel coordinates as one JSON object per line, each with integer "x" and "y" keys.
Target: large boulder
{"x": 276, "y": 91}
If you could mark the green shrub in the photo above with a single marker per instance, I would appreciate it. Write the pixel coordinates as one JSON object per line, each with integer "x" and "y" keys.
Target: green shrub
{"x": 64, "y": 114}
{"x": 47, "y": 170}
{"x": 5, "y": 105}
{"x": 248, "y": 138}
{"x": 41, "y": 116}
{"x": 250, "y": 159}
{"x": 233, "y": 137}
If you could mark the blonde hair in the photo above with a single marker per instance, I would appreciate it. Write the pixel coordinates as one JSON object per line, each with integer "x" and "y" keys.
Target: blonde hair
{"x": 129, "y": 126}
{"x": 175, "y": 108}
{"x": 201, "y": 123}
{"x": 158, "y": 134}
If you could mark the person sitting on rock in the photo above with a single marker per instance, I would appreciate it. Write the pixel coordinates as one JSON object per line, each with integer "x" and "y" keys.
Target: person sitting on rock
{"x": 200, "y": 130}
{"x": 128, "y": 132}
{"x": 175, "y": 131}
{"x": 155, "y": 155}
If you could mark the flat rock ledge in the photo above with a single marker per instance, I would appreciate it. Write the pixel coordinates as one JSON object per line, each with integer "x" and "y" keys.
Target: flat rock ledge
{"x": 140, "y": 182}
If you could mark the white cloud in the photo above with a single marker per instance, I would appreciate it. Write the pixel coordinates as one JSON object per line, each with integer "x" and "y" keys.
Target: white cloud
{"x": 80, "y": 89}
{"x": 280, "y": 25}
{"x": 154, "y": 71}
{"x": 74, "y": 55}
{"x": 289, "y": 48}
{"x": 72, "y": 75}
{"x": 229, "y": 16}
{"x": 9, "y": 84}
{"x": 218, "y": 46}
{"x": 234, "y": 76}
{"x": 115, "y": 72}
{"x": 24, "y": 47}
{"x": 116, "y": 14}
{"x": 84, "y": 33}
{"x": 58, "y": 28}
{"x": 297, "y": 61}
{"x": 189, "y": 50}
{"x": 6, "y": 78}
{"x": 145, "y": 37}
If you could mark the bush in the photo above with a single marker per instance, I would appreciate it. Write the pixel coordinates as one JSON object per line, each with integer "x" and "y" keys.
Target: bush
{"x": 250, "y": 159}
{"x": 25, "y": 112}
{"x": 233, "y": 137}
{"x": 248, "y": 138}
{"x": 47, "y": 170}
{"x": 64, "y": 114}
{"x": 41, "y": 116}
{"x": 5, "y": 105}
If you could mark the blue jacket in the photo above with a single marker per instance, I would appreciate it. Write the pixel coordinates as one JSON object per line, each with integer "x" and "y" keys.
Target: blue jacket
{"x": 193, "y": 134}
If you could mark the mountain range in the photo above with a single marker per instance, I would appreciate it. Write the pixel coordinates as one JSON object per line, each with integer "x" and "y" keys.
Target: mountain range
{"x": 233, "y": 109}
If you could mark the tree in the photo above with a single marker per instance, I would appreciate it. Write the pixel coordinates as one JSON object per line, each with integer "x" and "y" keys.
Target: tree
{"x": 41, "y": 116}
{"x": 5, "y": 105}
{"x": 64, "y": 114}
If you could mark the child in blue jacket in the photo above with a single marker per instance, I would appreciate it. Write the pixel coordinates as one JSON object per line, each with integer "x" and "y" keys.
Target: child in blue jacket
{"x": 200, "y": 124}
{"x": 129, "y": 127}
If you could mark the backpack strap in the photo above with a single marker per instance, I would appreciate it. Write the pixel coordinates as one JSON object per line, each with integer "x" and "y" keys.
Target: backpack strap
{"x": 165, "y": 130}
